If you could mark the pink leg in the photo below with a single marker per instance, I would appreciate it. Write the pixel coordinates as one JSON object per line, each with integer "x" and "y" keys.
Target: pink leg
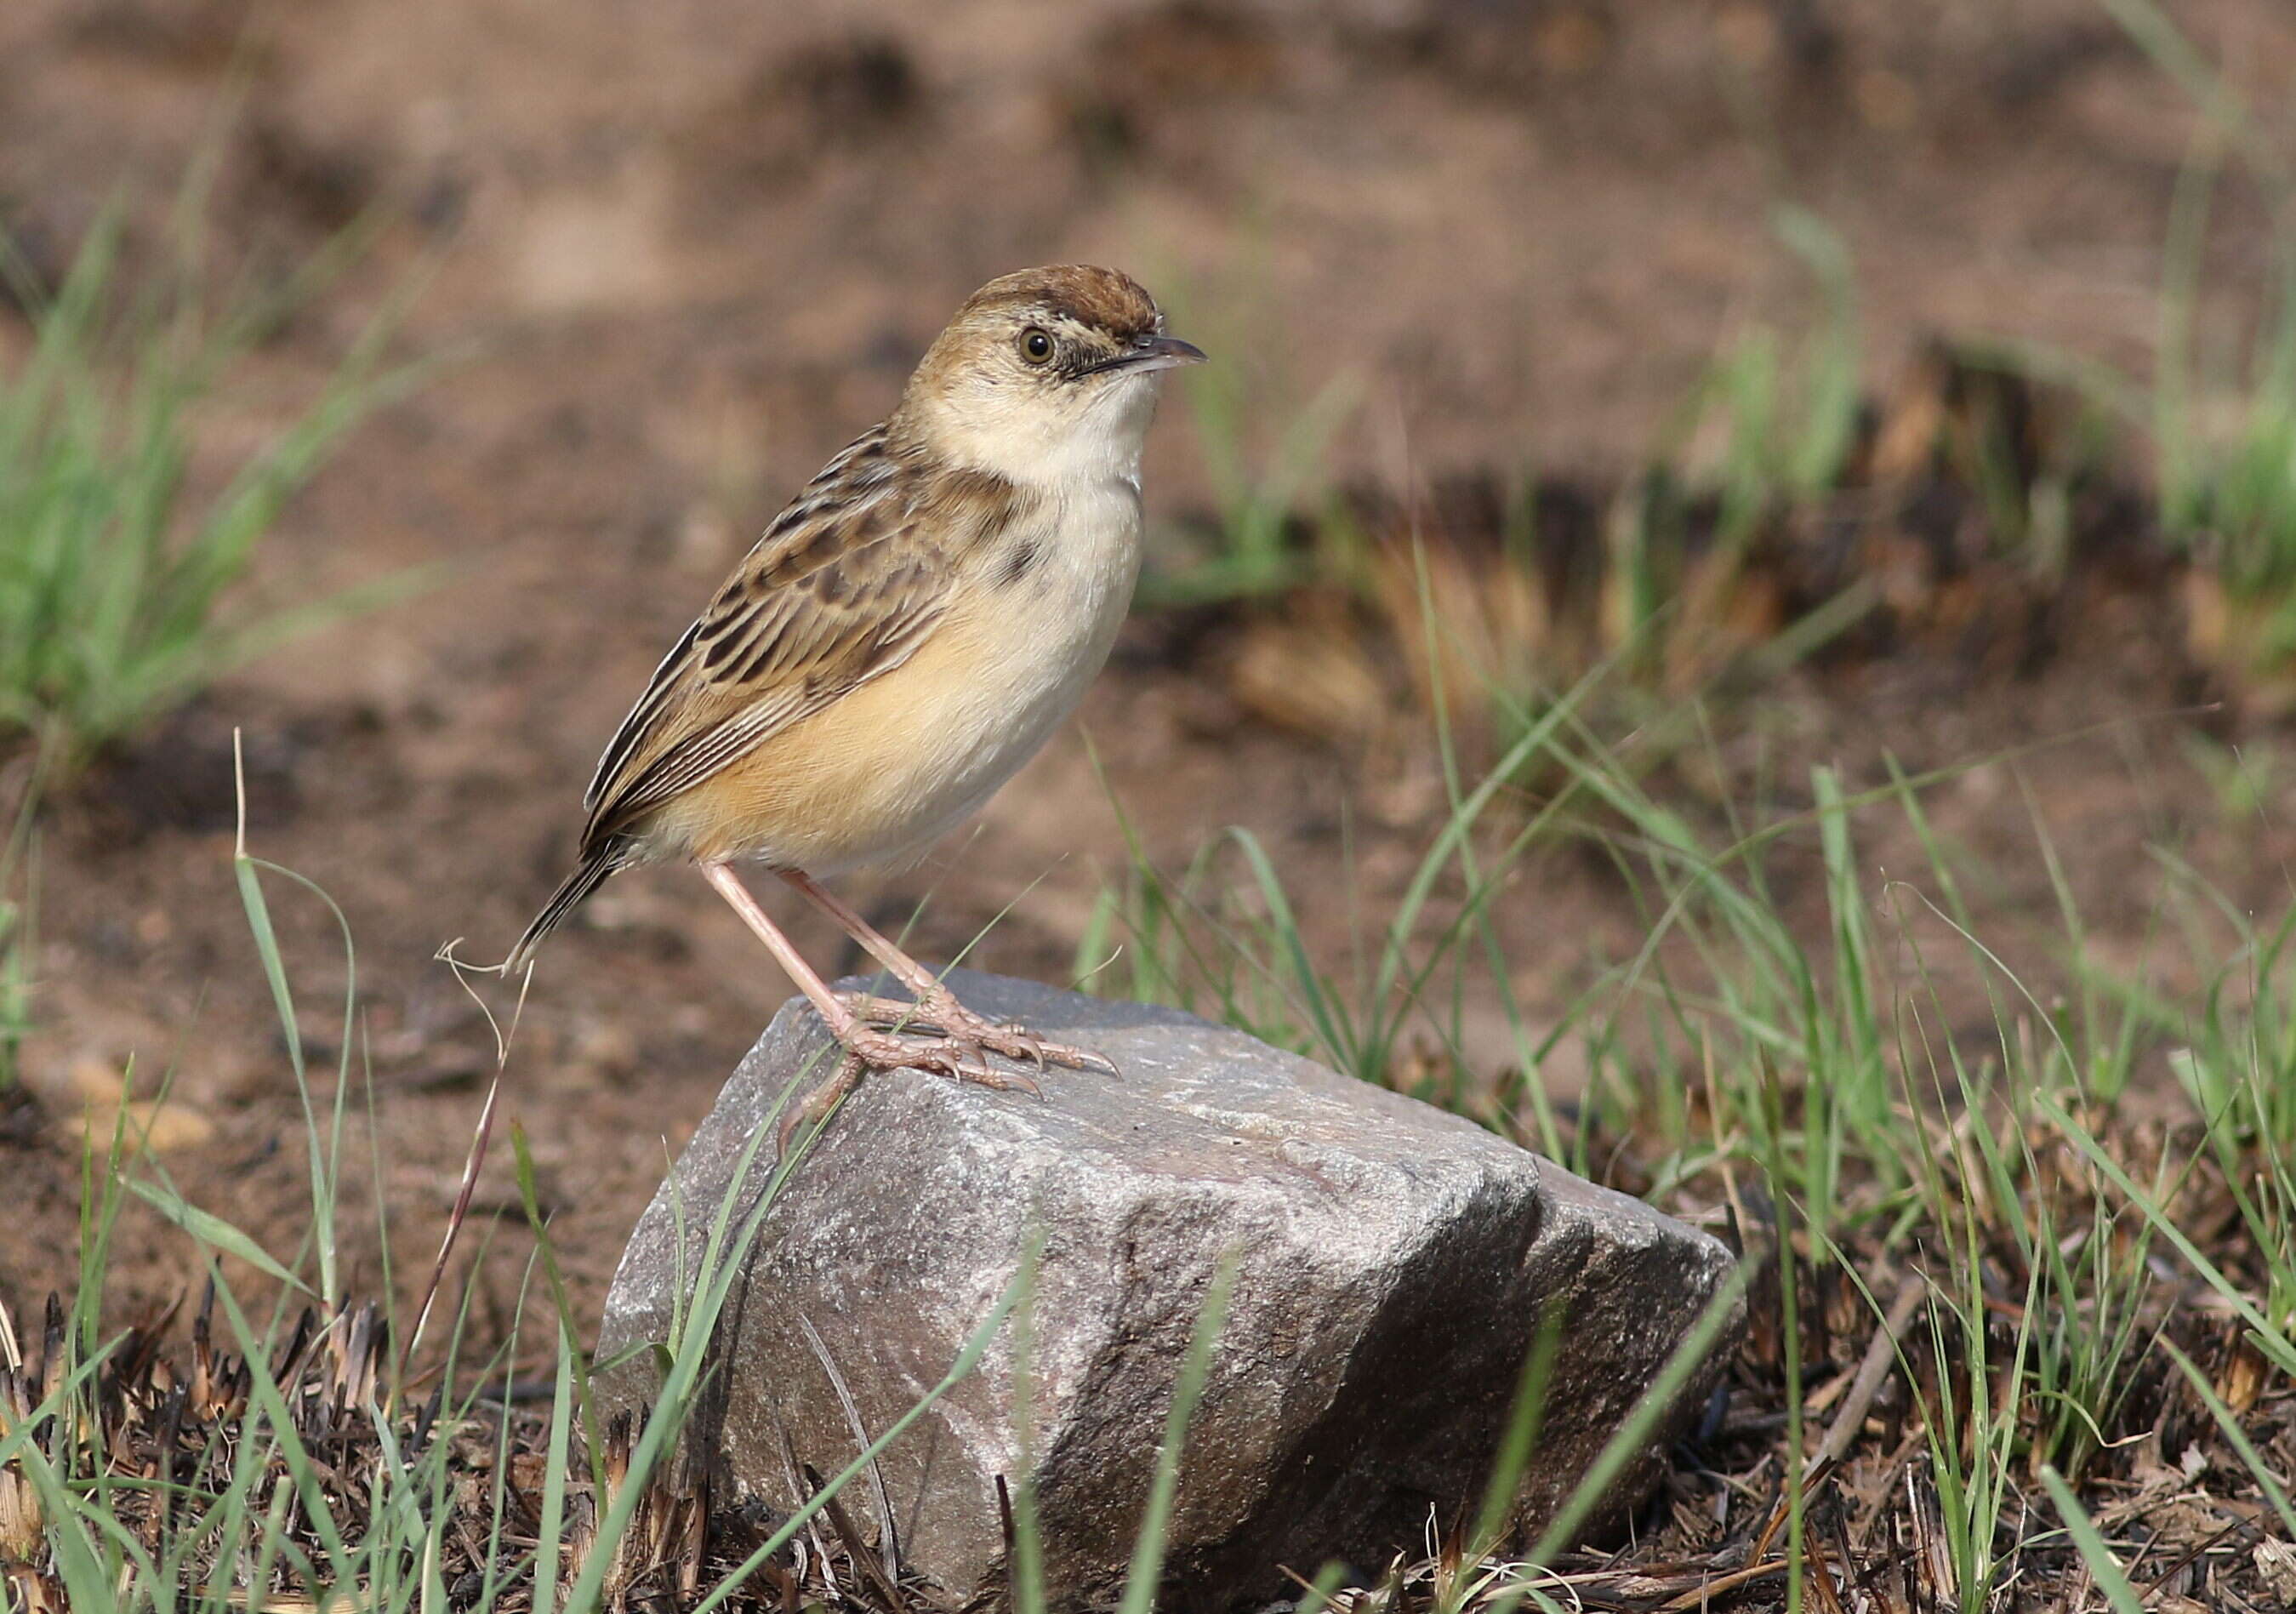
{"x": 866, "y": 1047}
{"x": 936, "y": 1005}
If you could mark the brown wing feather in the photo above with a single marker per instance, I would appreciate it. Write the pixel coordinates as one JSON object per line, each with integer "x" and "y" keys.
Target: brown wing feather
{"x": 844, "y": 585}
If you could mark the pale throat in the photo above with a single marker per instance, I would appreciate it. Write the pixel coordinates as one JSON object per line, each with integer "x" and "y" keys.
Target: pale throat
{"x": 1058, "y": 445}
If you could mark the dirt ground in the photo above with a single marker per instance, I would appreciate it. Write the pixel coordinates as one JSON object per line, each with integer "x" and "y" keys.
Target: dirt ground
{"x": 677, "y": 253}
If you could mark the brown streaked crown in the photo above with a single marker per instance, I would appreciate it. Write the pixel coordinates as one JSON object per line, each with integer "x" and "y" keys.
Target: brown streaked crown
{"x": 1101, "y": 300}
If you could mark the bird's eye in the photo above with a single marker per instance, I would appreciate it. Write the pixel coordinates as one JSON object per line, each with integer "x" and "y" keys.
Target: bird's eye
{"x": 1036, "y": 345}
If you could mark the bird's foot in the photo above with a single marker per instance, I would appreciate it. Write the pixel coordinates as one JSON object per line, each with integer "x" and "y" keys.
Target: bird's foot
{"x": 868, "y": 1048}
{"x": 938, "y": 1010}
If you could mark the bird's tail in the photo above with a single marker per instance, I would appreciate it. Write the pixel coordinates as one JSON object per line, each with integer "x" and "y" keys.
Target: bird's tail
{"x": 597, "y": 863}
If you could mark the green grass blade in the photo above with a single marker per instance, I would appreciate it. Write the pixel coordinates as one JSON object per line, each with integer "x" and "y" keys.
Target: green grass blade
{"x": 1656, "y": 1403}
{"x": 267, "y": 952}
{"x": 551, "y": 1532}
{"x": 2103, "y": 1567}
{"x": 2237, "y": 1438}
{"x": 1142, "y": 1579}
{"x": 2269, "y": 1338}
{"x": 213, "y": 1231}
{"x": 961, "y": 1368}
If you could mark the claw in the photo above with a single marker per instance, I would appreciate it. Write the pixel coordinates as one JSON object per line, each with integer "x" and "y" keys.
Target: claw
{"x": 940, "y": 1011}
{"x": 1009, "y": 1081}
{"x": 956, "y": 1054}
{"x": 1017, "y": 1043}
{"x": 1099, "y": 1064}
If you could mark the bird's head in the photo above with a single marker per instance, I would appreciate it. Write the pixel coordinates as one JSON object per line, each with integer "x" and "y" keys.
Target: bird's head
{"x": 1047, "y": 374}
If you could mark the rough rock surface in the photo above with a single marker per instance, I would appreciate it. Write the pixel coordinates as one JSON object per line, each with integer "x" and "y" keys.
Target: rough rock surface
{"x": 1396, "y": 1260}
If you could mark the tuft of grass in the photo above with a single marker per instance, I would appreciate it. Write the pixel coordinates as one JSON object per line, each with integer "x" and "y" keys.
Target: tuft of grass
{"x": 1787, "y": 419}
{"x": 2222, "y": 427}
{"x": 116, "y": 571}
{"x": 1833, "y": 1095}
{"x": 308, "y": 1468}
{"x": 1769, "y": 431}
{"x": 2226, "y": 441}
{"x": 1248, "y": 552}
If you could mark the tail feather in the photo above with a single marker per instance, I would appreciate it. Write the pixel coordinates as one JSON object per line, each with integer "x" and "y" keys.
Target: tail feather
{"x": 597, "y": 863}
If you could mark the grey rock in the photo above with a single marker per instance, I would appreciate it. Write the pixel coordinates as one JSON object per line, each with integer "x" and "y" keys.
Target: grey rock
{"x": 1395, "y": 1262}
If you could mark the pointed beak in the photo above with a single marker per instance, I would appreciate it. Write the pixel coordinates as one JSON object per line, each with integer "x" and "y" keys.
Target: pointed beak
{"x": 1148, "y": 353}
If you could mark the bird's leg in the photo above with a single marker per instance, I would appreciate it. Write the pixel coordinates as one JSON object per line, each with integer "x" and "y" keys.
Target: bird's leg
{"x": 867, "y": 1048}
{"x": 936, "y": 1006}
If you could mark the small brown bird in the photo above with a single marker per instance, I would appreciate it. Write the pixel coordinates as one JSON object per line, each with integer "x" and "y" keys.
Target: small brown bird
{"x": 907, "y": 633}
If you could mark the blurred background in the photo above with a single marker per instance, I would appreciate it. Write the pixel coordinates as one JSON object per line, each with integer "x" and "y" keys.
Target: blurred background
{"x": 1768, "y": 392}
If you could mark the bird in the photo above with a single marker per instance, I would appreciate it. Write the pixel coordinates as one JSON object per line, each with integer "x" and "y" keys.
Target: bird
{"x": 907, "y": 633}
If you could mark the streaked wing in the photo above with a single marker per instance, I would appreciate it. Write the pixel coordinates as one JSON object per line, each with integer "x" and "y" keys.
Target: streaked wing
{"x": 844, "y": 586}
